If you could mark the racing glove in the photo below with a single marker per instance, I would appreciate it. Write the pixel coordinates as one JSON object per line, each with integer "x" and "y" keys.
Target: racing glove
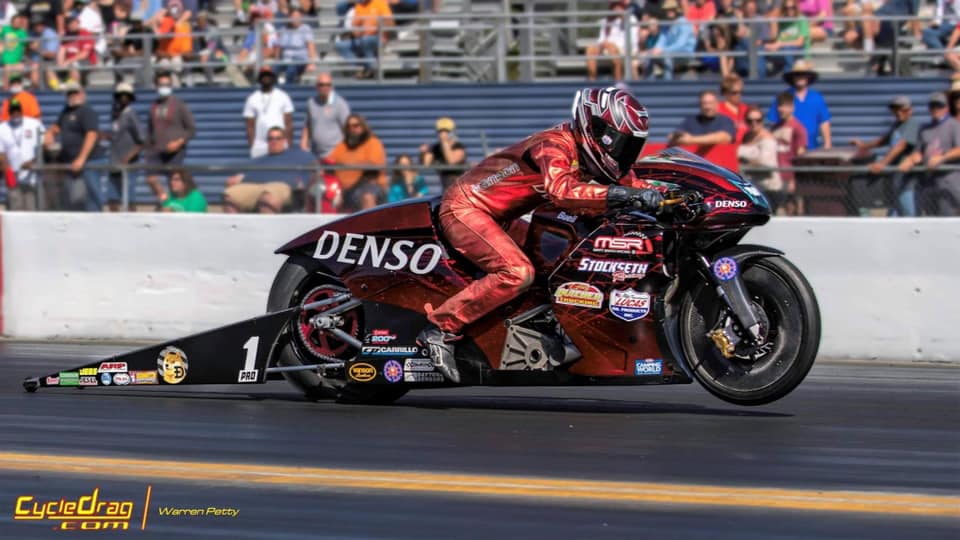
{"x": 645, "y": 200}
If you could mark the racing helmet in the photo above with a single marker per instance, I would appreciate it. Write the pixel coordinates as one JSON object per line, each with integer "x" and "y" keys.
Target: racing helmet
{"x": 611, "y": 128}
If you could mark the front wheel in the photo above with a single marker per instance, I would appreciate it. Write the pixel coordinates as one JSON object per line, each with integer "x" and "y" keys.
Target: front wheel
{"x": 790, "y": 325}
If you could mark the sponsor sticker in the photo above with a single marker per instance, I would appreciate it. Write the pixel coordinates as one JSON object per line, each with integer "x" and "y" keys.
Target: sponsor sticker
{"x": 69, "y": 378}
{"x": 496, "y": 178}
{"x": 172, "y": 365}
{"x": 362, "y": 372}
{"x": 106, "y": 379}
{"x": 728, "y": 203}
{"x": 629, "y": 305}
{"x": 112, "y": 367}
{"x": 422, "y": 377}
{"x": 382, "y": 337}
{"x": 624, "y": 245}
{"x": 389, "y": 351}
{"x": 725, "y": 268}
{"x": 579, "y": 294}
{"x": 621, "y": 270}
{"x": 53, "y": 381}
{"x": 121, "y": 379}
{"x": 88, "y": 371}
{"x": 392, "y": 371}
{"x": 88, "y": 380}
{"x": 143, "y": 377}
{"x": 648, "y": 366}
{"x": 563, "y": 216}
{"x": 378, "y": 252}
{"x": 418, "y": 364}
{"x": 248, "y": 375}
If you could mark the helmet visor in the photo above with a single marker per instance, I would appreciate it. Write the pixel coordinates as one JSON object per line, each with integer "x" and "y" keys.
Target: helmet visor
{"x": 623, "y": 148}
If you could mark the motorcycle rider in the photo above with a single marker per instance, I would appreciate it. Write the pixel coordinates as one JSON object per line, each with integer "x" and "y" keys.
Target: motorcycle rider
{"x": 603, "y": 139}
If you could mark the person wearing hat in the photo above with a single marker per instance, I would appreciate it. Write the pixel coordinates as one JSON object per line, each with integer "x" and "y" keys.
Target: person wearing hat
{"x": 127, "y": 138}
{"x": 939, "y": 145}
{"x": 265, "y": 108}
{"x": 446, "y": 150}
{"x": 20, "y": 137}
{"x": 901, "y": 137}
{"x": 810, "y": 108}
{"x": 28, "y": 102}
{"x": 676, "y": 38}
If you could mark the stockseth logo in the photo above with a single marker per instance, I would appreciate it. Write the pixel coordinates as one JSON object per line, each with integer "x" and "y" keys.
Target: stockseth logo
{"x": 86, "y": 513}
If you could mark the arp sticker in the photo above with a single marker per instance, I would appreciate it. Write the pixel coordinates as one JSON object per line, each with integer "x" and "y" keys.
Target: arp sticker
{"x": 629, "y": 305}
{"x": 362, "y": 372}
{"x": 172, "y": 365}
{"x": 579, "y": 294}
{"x": 392, "y": 371}
{"x": 112, "y": 367}
{"x": 725, "y": 268}
{"x": 648, "y": 366}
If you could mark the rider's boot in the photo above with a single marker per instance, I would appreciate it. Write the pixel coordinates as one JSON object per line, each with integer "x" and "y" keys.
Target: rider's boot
{"x": 442, "y": 348}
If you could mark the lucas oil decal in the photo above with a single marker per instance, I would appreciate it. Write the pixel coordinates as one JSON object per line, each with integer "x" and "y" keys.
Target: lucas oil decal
{"x": 579, "y": 295}
{"x": 386, "y": 253}
{"x": 629, "y": 305}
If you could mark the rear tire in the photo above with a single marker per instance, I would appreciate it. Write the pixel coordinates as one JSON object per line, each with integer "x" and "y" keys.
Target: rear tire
{"x": 793, "y": 319}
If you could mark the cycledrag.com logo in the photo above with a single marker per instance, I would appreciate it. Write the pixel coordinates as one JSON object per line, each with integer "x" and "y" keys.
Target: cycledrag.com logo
{"x": 96, "y": 512}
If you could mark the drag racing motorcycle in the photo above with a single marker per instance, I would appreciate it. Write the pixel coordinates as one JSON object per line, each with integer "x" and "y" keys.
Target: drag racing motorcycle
{"x": 621, "y": 299}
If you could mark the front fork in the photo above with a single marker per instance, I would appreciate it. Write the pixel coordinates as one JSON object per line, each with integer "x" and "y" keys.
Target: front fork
{"x": 724, "y": 273}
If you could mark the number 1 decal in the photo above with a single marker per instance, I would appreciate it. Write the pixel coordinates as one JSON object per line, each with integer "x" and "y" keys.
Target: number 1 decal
{"x": 249, "y": 374}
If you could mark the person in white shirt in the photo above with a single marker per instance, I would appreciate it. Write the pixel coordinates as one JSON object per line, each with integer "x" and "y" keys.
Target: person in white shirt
{"x": 92, "y": 21}
{"x": 613, "y": 40}
{"x": 19, "y": 138}
{"x": 266, "y": 108}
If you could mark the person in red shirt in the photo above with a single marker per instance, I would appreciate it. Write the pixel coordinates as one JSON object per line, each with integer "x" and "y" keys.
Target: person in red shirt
{"x": 791, "y": 138}
{"x": 76, "y": 52}
{"x": 601, "y": 142}
{"x": 732, "y": 105}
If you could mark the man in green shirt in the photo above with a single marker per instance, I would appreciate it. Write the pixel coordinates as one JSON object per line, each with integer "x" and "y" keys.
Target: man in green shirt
{"x": 13, "y": 40}
{"x": 184, "y": 195}
{"x": 793, "y": 37}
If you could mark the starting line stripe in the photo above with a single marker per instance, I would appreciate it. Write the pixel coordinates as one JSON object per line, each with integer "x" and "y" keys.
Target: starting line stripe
{"x": 487, "y": 485}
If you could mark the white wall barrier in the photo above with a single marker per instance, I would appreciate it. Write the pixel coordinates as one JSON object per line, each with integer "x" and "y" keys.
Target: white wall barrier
{"x": 887, "y": 287}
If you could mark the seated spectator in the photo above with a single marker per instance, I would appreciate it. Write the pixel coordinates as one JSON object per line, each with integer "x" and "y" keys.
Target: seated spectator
{"x": 13, "y": 40}
{"x": 947, "y": 18}
{"x": 297, "y": 51}
{"x": 719, "y": 41}
{"x": 613, "y": 40}
{"x": 76, "y": 53}
{"x": 810, "y": 108}
{"x": 362, "y": 188}
{"x": 887, "y": 31}
{"x": 361, "y": 40}
{"x": 88, "y": 13}
{"x": 759, "y": 149}
{"x": 406, "y": 183}
{"x": 820, "y": 14}
{"x": 732, "y": 106}
{"x": 707, "y": 128}
{"x": 861, "y": 34}
{"x": 446, "y": 150}
{"x": 676, "y": 39}
{"x": 757, "y": 32}
{"x": 172, "y": 26}
{"x": 793, "y": 38}
{"x": 20, "y": 138}
{"x": 791, "y": 138}
{"x": 400, "y": 7}
{"x": 268, "y": 47}
{"x": 208, "y": 48}
{"x": 269, "y": 191}
{"x": 700, "y": 11}
{"x": 51, "y": 12}
{"x": 939, "y": 145}
{"x": 43, "y": 48}
{"x": 324, "y": 190}
{"x": 951, "y": 52}
{"x": 29, "y": 105}
{"x": 184, "y": 195}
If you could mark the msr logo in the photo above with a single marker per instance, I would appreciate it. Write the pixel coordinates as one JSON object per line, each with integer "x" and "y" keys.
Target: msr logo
{"x": 634, "y": 245}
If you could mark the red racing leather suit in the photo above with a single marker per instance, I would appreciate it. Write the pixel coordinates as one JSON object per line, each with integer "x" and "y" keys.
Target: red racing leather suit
{"x": 501, "y": 188}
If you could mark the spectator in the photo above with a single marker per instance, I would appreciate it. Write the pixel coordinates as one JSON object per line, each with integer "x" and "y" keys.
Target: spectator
{"x": 362, "y": 188}
{"x": 76, "y": 53}
{"x": 264, "y": 109}
{"x": 361, "y": 40}
{"x": 172, "y": 26}
{"x": 707, "y": 128}
{"x": 266, "y": 191}
{"x": 29, "y": 105}
{"x": 297, "y": 51}
{"x": 447, "y": 150}
{"x": 406, "y": 183}
{"x": 759, "y": 149}
{"x": 820, "y": 14}
{"x": 249, "y": 56}
{"x": 7, "y": 11}
{"x": 184, "y": 195}
{"x": 719, "y": 41}
{"x": 758, "y": 32}
{"x": 648, "y": 36}
{"x": 700, "y": 11}
{"x": 791, "y": 138}
{"x": 19, "y": 138}
{"x": 14, "y": 38}
{"x": 861, "y": 34}
{"x": 327, "y": 112}
{"x": 732, "y": 105}
{"x": 127, "y": 138}
{"x": 209, "y": 48}
{"x": 77, "y": 127}
{"x": 613, "y": 40}
{"x": 810, "y": 107}
{"x": 88, "y": 13}
{"x": 324, "y": 190}
{"x": 169, "y": 129}
{"x": 953, "y": 96}
{"x": 128, "y": 54}
{"x": 947, "y": 18}
{"x": 51, "y": 11}
{"x": 902, "y": 138}
{"x": 793, "y": 37}
{"x": 43, "y": 49}
{"x": 951, "y": 52}
{"x": 678, "y": 38}
{"x": 939, "y": 145}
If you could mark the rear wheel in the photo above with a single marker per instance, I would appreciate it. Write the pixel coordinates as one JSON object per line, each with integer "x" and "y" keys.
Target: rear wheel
{"x": 790, "y": 326}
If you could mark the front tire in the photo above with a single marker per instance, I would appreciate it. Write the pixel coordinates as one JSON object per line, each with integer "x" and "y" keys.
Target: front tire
{"x": 792, "y": 327}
